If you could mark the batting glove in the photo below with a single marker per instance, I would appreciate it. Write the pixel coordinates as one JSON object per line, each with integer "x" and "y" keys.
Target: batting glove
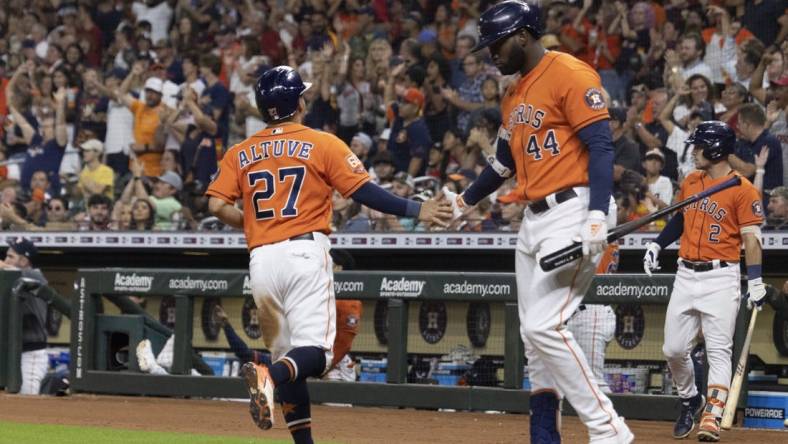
{"x": 458, "y": 205}
{"x": 593, "y": 234}
{"x": 651, "y": 259}
{"x": 756, "y": 293}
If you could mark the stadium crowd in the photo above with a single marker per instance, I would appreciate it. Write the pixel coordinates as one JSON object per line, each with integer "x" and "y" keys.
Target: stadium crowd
{"x": 115, "y": 113}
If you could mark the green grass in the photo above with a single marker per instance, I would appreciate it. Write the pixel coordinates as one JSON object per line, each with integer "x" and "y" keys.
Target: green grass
{"x": 16, "y": 433}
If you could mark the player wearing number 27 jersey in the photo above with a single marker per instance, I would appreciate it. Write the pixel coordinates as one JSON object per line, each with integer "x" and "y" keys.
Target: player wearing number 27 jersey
{"x": 284, "y": 177}
{"x": 706, "y": 291}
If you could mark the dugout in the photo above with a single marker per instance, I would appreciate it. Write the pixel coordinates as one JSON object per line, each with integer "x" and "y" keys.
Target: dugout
{"x": 401, "y": 292}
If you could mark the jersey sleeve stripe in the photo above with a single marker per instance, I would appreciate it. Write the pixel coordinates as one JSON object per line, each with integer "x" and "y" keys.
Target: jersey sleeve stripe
{"x": 591, "y": 120}
{"x": 355, "y": 187}
{"x": 221, "y": 196}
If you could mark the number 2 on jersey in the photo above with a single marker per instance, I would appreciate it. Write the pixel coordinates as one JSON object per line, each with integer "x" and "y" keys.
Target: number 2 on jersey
{"x": 266, "y": 176}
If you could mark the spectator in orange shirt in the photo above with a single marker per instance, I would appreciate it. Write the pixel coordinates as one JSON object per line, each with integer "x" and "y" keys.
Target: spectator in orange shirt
{"x": 146, "y": 119}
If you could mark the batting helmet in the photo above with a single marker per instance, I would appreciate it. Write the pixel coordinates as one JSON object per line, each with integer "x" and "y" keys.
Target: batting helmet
{"x": 506, "y": 18}
{"x": 716, "y": 138}
{"x": 277, "y": 93}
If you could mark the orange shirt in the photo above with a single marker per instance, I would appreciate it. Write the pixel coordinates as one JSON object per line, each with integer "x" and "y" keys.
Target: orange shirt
{"x": 285, "y": 176}
{"x": 609, "y": 262}
{"x": 543, "y": 113}
{"x": 712, "y": 225}
{"x": 146, "y": 121}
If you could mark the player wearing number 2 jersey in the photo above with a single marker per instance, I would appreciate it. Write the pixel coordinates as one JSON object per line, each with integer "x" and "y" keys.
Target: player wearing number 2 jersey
{"x": 706, "y": 292}
{"x": 284, "y": 176}
{"x": 556, "y": 139}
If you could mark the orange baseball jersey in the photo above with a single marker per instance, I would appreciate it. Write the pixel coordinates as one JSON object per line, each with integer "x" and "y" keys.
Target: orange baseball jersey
{"x": 348, "y": 318}
{"x": 712, "y": 225}
{"x": 542, "y": 113}
{"x": 609, "y": 262}
{"x": 285, "y": 176}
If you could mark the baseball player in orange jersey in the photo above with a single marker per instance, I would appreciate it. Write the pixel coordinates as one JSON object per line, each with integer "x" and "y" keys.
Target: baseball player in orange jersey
{"x": 555, "y": 137}
{"x": 706, "y": 291}
{"x": 284, "y": 176}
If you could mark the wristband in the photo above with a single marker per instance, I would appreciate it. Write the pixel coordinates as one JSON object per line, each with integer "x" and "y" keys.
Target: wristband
{"x": 754, "y": 271}
{"x": 760, "y": 171}
{"x": 412, "y": 209}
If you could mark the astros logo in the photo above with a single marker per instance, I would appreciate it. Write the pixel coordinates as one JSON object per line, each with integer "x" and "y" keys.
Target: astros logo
{"x": 594, "y": 100}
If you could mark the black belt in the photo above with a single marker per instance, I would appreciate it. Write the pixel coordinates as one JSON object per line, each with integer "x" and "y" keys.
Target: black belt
{"x": 562, "y": 196}
{"x": 305, "y": 236}
{"x": 702, "y": 266}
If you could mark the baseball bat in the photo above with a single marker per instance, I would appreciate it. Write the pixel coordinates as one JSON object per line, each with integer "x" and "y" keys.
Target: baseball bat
{"x": 575, "y": 251}
{"x": 738, "y": 377}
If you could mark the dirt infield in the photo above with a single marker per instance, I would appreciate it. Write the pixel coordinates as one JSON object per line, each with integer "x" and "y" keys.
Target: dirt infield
{"x": 337, "y": 424}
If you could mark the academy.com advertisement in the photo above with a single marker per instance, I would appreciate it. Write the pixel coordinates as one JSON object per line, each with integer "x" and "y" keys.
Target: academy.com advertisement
{"x": 623, "y": 288}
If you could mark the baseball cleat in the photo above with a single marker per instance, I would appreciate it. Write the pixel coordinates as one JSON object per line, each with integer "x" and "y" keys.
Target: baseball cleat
{"x": 690, "y": 408}
{"x": 709, "y": 429}
{"x": 145, "y": 358}
{"x": 261, "y": 394}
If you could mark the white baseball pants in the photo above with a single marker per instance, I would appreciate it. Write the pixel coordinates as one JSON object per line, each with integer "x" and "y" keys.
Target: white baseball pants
{"x": 707, "y": 301}
{"x": 293, "y": 287}
{"x": 547, "y": 299}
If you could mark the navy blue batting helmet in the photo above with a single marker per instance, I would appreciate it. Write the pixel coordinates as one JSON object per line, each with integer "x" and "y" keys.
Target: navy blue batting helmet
{"x": 716, "y": 138}
{"x": 506, "y": 18}
{"x": 277, "y": 93}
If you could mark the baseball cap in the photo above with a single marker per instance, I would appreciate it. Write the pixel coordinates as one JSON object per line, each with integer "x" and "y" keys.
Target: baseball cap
{"x": 781, "y": 191}
{"x": 154, "y": 84}
{"x": 463, "y": 174}
{"x": 655, "y": 153}
{"x": 364, "y": 139}
{"x": 383, "y": 157}
{"x": 550, "y": 41}
{"x": 24, "y": 247}
{"x": 782, "y": 81}
{"x": 118, "y": 73}
{"x": 93, "y": 145}
{"x": 413, "y": 95}
{"x": 404, "y": 178}
{"x": 427, "y": 36}
{"x": 172, "y": 178}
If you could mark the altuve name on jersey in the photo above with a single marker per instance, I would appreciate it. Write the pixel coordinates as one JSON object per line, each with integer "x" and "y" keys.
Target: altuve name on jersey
{"x": 274, "y": 148}
{"x": 708, "y": 206}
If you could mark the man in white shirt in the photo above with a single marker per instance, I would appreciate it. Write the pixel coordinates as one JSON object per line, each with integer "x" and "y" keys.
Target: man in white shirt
{"x": 690, "y": 52}
{"x": 158, "y": 13}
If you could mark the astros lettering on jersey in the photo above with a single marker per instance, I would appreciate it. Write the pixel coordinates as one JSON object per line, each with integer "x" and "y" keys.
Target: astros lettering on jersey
{"x": 542, "y": 114}
{"x": 712, "y": 225}
{"x": 287, "y": 173}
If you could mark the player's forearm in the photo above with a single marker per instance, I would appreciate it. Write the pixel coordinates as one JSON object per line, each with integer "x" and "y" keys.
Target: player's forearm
{"x": 752, "y": 254}
{"x": 226, "y": 213}
{"x": 598, "y": 139}
{"x": 672, "y": 231}
{"x": 378, "y": 199}
{"x": 488, "y": 181}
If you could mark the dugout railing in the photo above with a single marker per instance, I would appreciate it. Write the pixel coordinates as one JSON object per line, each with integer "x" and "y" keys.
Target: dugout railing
{"x": 186, "y": 285}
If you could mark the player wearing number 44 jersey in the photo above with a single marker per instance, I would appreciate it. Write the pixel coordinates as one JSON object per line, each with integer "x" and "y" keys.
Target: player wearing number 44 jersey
{"x": 706, "y": 292}
{"x": 555, "y": 138}
{"x": 284, "y": 176}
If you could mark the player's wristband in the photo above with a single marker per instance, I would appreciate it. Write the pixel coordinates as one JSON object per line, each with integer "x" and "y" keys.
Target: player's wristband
{"x": 754, "y": 272}
{"x": 413, "y": 209}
